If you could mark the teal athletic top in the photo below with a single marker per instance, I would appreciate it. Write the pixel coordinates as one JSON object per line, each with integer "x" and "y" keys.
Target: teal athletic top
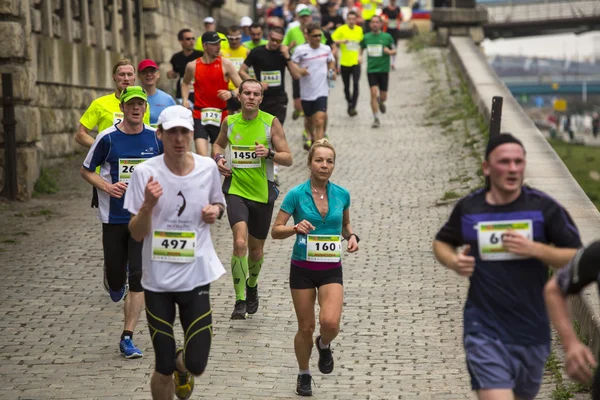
{"x": 299, "y": 203}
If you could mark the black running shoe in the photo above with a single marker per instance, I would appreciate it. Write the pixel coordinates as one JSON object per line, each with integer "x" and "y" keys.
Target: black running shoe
{"x": 382, "y": 106}
{"x": 239, "y": 312}
{"x": 325, "y": 357}
{"x": 303, "y": 387}
{"x": 251, "y": 299}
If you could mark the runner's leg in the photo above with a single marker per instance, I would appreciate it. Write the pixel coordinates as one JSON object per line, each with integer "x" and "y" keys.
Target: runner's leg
{"x": 331, "y": 300}
{"x": 356, "y": 82}
{"x": 304, "y": 304}
{"x": 134, "y": 302}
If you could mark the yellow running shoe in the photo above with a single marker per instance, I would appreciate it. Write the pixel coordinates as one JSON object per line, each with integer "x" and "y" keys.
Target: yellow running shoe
{"x": 184, "y": 382}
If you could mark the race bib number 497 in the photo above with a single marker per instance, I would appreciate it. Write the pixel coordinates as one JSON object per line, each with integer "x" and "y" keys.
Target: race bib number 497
{"x": 491, "y": 234}
{"x": 173, "y": 246}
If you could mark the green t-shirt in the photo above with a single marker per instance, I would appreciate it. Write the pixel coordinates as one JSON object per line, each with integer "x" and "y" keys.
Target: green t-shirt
{"x": 374, "y": 43}
{"x": 295, "y": 34}
{"x": 250, "y": 44}
{"x": 249, "y": 174}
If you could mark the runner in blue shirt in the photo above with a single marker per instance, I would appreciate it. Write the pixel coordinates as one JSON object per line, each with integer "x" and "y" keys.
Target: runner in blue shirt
{"x": 158, "y": 100}
{"x": 321, "y": 212}
{"x": 510, "y": 234}
{"x": 117, "y": 150}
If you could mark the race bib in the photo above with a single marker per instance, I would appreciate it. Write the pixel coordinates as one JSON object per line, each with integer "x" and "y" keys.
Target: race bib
{"x": 323, "y": 248}
{"x": 237, "y": 62}
{"x": 211, "y": 116}
{"x": 173, "y": 246}
{"x": 251, "y": 73}
{"x": 244, "y": 157}
{"x": 272, "y": 78}
{"x": 375, "y": 50}
{"x": 490, "y": 234}
{"x": 118, "y": 117}
{"x": 392, "y": 24}
{"x": 126, "y": 167}
{"x": 353, "y": 46}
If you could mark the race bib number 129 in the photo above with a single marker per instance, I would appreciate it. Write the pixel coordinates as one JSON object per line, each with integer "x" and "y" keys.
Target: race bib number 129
{"x": 211, "y": 116}
{"x": 490, "y": 235}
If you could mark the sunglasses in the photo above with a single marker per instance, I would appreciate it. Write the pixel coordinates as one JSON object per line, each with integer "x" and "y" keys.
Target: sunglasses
{"x": 234, "y": 37}
{"x": 276, "y": 40}
{"x": 317, "y": 35}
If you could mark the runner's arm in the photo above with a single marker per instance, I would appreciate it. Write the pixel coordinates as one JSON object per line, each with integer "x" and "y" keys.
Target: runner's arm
{"x": 558, "y": 310}
{"x": 346, "y": 227}
{"x": 83, "y": 137}
{"x": 141, "y": 223}
{"x": 190, "y": 70}
{"x": 556, "y": 257}
{"x": 232, "y": 72}
{"x": 280, "y": 230}
{"x": 95, "y": 180}
{"x": 220, "y": 144}
{"x": 283, "y": 155}
{"x": 244, "y": 72}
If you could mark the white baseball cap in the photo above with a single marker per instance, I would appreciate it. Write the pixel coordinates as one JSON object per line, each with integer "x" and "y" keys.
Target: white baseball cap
{"x": 173, "y": 116}
{"x": 300, "y": 7}
{"x": 209, "y": 20}
{"x": 245, "y": 21}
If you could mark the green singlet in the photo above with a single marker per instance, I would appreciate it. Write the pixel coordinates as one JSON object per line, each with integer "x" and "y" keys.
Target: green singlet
{"x": 374, "y": 43}
{"x": 250, "y": 173}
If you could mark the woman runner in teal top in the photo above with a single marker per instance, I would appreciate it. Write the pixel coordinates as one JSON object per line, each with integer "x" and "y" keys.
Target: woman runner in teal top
{"x": 321, "y": 212}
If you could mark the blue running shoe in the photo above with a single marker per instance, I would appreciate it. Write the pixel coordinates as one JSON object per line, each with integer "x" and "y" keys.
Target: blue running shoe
{"x": 118, "y": 295}
{"x": 128, "y": 349}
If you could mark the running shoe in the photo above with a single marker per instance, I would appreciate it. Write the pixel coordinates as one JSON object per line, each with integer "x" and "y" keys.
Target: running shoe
{"x": 251, "y": 299}
{"x": 303, "y": 385}
{"x": 325, "y": 357}
{"x": 128, "y": 349}
{"x": 297, "y": 114}
{"x": 307, "y": 144}
{"x": 382, "y": 106}
{"x": 305, "y": 135}
{"x": 118, "y": 295}
{"x": 184, "y": 381}
{"x": 353, "y": 112}
{"x": 239, "y": 311}
{"x": 376, "y": 123}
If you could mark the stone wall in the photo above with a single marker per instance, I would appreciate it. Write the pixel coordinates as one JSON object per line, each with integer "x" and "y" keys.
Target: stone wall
{"x": 61, "y": 53}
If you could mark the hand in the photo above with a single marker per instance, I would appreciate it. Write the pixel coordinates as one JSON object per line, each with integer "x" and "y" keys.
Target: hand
{"x": 186, "y": 103}
{"x": 292, "y": 45}
{"x": 352, "y": 244}
{"x": 360, "y": 58}
{"x": 285, "y": 51}
{"x": 222, "y": 168}
{"x": 304, "y": 227}
{"x": 116, "y": 190}
{"x": 386, "y": 50}
{"x": 304, "y": 72}
{"x": 224, "y": 94}
{"x": 464, "y": 264}
{"x": 579, "y": 362}
{"x": 264, "y": 85}
{"x": 334, "y": 75}
{"x": 261, "y": 150}
{"x": 518, "y": 244}
{"x": 210, "y": 213}
{"x": 152, "y": 192}
{"x": 172, "y": 74}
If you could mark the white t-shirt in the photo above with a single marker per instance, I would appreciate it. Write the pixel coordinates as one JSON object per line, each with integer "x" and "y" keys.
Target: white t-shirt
{"x": 177, "y": 218}
{"x": 313, "y": 85}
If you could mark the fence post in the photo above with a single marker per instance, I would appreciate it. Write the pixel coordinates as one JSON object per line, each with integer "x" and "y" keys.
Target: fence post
{"x": 10, "y": 141}
{"x": 496, "y": 116}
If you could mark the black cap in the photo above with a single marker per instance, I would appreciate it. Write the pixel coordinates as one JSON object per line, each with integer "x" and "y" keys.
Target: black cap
{"x": 211, "y": 37}
{"x": 500, "y": 139}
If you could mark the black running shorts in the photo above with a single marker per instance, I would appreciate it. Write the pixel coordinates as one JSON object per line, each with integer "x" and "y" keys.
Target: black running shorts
{"x": 257, "y": 216}
{"x": 208, "y": 132}
{"x": 276, "y": 105}
{"x": 304, "y": 278}
{"x": 379, "y": 79}
{"x": 311, "y": 107}
{"x": 196, "y": 320}
{"x": 119, "y": 250}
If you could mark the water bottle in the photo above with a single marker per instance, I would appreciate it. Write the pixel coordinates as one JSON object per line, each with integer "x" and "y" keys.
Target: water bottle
{"x": 330, "y": 79}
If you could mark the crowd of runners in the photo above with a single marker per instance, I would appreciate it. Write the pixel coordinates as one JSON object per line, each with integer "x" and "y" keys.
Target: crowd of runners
{"x": 165, "y": 168}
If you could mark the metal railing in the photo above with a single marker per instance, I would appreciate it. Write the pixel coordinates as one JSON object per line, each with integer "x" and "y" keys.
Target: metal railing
{"x": 535, "y": 10}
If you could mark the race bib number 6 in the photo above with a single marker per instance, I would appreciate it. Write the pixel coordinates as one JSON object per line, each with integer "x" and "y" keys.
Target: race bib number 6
{"x": 490, "y": 235}
{"x": 244, "y": 157}
{"x": 173, "y": 246}
{"x": 323, "y": 248}
{"x": 211, "y": 116}
{"x": 126, "y": 167}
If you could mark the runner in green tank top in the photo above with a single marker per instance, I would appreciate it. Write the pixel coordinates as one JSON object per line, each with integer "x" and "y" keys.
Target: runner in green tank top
{"x": 245, "y": 150}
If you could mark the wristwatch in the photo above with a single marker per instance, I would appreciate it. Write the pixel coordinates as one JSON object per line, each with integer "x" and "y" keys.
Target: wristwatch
{"x": 220, "y": 212}
{"x": 356, "y": 236}
{"x": 271, "y": 154}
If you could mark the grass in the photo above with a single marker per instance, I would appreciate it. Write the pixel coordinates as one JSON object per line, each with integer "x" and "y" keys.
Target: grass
{"x": 420, "y": 41}
{"x": 450, "y": 194}
{"x": 46, "y": 183}
{"x": 581, "y": 161}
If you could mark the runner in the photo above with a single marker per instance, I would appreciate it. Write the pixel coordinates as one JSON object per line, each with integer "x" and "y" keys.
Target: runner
{"x": 157, "y": 99}
{"x": 393, "y": 16}
{"x": 236, "y": 53}
{"x": 211, "y": 74}
{"x": 173, "y": 200}
{"x": 255, "y": 140}
{"x": 105, "y": 111}
{"x": 180, "y": 60}
{"x": 321, "y": 212}
{"x": 118, "y": 150}
{"x": 582, "y": 270}
{"x": 256, "y": 37}
{"x": 348, "y": 37}
{"x": 380, "y": 46}
{"x": 210, "y": 25}
{"x": 507, "y": 230}
{"x": 369, "y": 10}
{"x": 317, "y": 66}
{"x": 245, "y": 24}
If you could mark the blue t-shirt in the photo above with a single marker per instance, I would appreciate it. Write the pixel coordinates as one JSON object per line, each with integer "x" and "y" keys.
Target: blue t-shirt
{"x": 505, "y": 298}
{"x": 300, "y": 204}
{"x": 117, "y": 153}
{"x": 158, "y": 102}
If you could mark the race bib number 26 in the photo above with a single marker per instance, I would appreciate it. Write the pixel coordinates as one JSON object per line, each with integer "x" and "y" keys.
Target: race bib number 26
{"x": 490, "y": 236}
{"x": 126, "y": 167}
